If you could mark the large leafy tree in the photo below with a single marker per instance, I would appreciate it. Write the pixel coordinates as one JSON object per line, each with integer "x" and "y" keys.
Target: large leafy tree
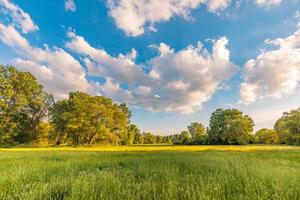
{"x": 288, "y": 127}
{"x": 229, "y": 126}
{"x": 23, "y": 105}
{"x": 86, "y": 119}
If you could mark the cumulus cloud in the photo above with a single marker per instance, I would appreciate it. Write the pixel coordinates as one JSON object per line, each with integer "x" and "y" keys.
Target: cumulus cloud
{"x": 268, "y": 3}
{"x": 70, "y": 5}
{"x": 133, "y": 16}
{"x": 178, "y": 80}
{"x": 57, "y": 70}
{"x": 273, "y": 73}
{"x": 20, "y": 18}
{"x": 100, "y": 63}
{"x": 187, "y": 78}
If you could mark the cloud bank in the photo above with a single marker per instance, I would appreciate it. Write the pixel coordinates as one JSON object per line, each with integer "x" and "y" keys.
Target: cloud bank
{"x": 273, "y": 73}
{"x": 134, "y": 17}
{"x": 57, "y": 70}
{"x": 19, "y": 17}
{"x": 178, "y": 80}
{"x": 268, "y": 3}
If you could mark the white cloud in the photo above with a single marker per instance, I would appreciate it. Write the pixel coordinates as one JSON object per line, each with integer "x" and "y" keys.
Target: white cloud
{"x": 70, "y": 5}
{"x": 178, "y": 81}
{"x": 100, "y": 63}
{"x": 187, "y": 78}
{"x": 273, "y": 73}
{"x": 57, "y": 70}
{"x": 134, "y": 16}
{"x": 268, "y": 3}
{"x": 20, "y": 18}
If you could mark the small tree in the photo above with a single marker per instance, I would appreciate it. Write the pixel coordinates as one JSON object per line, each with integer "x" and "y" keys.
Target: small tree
{"x": 185, "y": 137}
{"x": 148, "y": 138}
{"x": 133, "y": 135}
{"x": 267, "y": 136}
{"x": 197, "y": 132}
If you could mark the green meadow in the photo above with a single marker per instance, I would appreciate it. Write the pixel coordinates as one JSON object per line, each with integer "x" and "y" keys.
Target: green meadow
{"x": 151, "y": 172}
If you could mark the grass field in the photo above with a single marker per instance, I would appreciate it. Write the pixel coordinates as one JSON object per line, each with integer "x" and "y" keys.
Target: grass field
{"x": 151, "y": 172}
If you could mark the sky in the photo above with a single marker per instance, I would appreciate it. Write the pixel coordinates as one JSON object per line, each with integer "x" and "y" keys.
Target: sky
{"x": 172, "y": 61}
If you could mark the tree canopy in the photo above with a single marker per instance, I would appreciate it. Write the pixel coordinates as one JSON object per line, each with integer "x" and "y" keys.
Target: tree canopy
{"x": 288, "y": 127}
{"x": 86, "y": 119}
{"x": 229, "y": 126}
{"x": 28, "y": 115}
{"x": 23, "y": 105}
{"x": 267, "y": 136}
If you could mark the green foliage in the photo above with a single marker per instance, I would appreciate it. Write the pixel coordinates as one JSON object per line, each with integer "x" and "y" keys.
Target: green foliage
{"x": 175, "y": 139}
{"x": 86, "y": 119}
{"x": 148, "y": 138}
{"x": 59, "y": 121}
{"x": 134, "y": 135}
{"x": 267, "y": 136}
{"x": 185, "y": 137}
{"x": 288, "y": 127}
{"x": 229, "y": 126}
{"x": 23, "y": 105}
{"x": 197, "y": 132}
{"x": 124, "y": 108}
{"x": 28, "y": 115}
{"x": 159, "y": 139}
{"x": 44, "y": 129}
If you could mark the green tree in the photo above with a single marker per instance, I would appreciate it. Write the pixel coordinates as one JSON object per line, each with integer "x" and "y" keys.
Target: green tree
{"x": 267, "y": 136}
{"x": 86, "y": 119}
{"x": 124, "y": 108}
{"x": 185, "y": 137}
{"x": 167, "y": 139}
{"x": 159, "y": 139}
{"x": 59, "y": 121}
{"x": 198, "y": 132}
{"x": 148, "y": 138}
{"x": 175, "y": 139}
{"x": 288, "y": 127}
{"x": 133, "y": 135}
{"x": 138, "y": 138}
{"x": 23, "y": 105}
{"x": 44, "y": 130}
{"x": 229, "y": 126}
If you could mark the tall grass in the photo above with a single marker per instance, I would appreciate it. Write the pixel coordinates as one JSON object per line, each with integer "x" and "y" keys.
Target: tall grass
{"x": 150, "y": 175}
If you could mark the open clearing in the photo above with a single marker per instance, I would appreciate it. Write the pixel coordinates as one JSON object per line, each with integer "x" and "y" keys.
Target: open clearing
{"x": 151, "y": 172}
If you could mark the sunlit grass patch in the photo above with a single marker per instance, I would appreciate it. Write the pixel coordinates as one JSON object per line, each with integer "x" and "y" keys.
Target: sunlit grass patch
{"x": 157, "y": 148}
{"x": 88, "y": 173}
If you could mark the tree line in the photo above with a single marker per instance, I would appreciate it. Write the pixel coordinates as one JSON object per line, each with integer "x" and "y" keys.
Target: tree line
{"x": 29, "y": 115}
{"x": 232, "y": 127}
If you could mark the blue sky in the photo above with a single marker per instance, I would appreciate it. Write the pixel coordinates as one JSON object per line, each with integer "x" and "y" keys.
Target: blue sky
{"x": 173, "y": 62}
